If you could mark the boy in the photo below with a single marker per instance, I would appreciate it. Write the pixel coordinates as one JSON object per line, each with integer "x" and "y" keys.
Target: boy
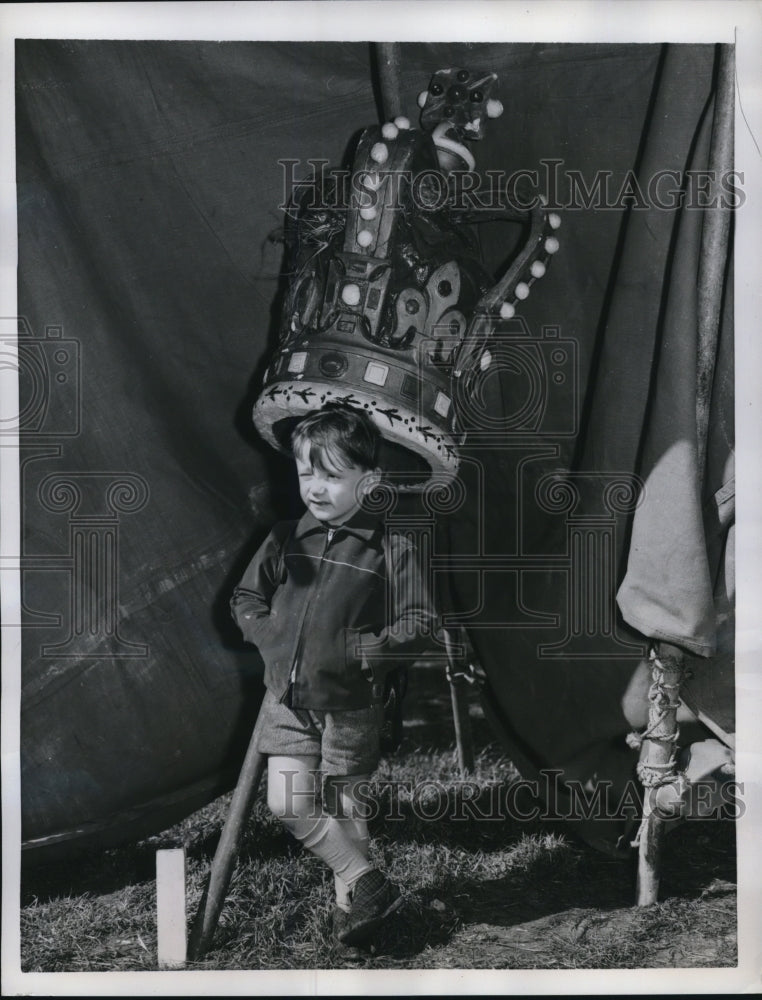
{"x": 314, "y": 601}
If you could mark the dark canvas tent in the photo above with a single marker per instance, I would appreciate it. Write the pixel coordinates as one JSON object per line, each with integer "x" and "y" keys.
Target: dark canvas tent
{"x": 149, "y": 196}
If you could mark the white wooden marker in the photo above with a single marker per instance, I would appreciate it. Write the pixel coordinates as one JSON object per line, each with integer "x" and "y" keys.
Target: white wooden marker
{"x": 170, "y": 908}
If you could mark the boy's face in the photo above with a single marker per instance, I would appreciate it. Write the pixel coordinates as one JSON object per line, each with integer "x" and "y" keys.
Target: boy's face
{"x": 331, "y": 494}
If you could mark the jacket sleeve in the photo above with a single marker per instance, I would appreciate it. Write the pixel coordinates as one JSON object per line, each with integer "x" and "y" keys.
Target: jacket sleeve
{"x": 411, "y": 620}
{"x": 251, "y": 600}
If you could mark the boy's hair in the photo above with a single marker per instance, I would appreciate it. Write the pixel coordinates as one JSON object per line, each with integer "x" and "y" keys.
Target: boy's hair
{"x": 343, "y": 435}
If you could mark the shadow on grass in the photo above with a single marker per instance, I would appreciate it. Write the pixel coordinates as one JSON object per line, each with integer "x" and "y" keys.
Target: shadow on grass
{"x": 554, "y": 879}
{"x": 539, "y": 871}
{"x": 100, "y": 872}
{"x": 97, "y": 873}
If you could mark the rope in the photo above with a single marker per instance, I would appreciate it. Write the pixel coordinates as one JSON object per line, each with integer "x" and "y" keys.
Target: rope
{"x": 681, "y": 783}
{"x": 468, "y": 675}
{"x": 665, "y": 700}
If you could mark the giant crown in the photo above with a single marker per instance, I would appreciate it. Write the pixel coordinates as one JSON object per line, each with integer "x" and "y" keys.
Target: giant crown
{"x": 388, "y": 307}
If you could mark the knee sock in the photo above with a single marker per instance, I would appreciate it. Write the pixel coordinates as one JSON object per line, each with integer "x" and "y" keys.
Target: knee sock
{"x": 343, "y": 802}
{"x": 291, "y": 797}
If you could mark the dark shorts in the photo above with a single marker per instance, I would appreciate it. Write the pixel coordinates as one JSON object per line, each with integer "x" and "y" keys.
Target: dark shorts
{"x": 346, "y": 741}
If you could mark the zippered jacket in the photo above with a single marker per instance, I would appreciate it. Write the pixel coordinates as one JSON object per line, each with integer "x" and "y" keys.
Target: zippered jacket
{"x": 317, "y": 605}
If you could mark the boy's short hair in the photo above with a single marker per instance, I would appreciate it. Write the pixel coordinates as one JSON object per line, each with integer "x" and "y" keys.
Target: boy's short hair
{"x": 340, "y": 433}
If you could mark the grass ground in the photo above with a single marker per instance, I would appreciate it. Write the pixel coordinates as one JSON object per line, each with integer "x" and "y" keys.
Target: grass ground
{"x": 479, "y": 893}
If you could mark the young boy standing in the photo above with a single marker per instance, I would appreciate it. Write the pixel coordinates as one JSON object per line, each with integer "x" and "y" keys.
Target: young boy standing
{"x": 314, "y": 602}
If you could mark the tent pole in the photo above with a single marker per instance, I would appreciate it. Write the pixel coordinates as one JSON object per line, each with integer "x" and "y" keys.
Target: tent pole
{"x": 226, "y": 854}
{"x": 662, "y": 785}
{"x": 388, "y": 60}
{"x": 715, "y": 242}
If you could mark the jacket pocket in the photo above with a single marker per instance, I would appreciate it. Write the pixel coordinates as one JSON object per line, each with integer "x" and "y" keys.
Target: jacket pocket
{"x": 261, "y": 632}
{"x": 354, "y": 658}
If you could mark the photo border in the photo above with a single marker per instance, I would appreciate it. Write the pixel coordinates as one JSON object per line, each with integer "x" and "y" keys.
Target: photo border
{"x": 733, "y": 21}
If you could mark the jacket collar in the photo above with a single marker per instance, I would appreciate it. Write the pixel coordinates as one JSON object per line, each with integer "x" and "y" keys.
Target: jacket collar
{"x": 362, "y": 524}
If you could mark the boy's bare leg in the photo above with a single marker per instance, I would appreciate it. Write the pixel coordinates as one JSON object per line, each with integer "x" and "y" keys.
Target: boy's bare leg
{"x": 343, "y": 802}
{"x": 291, "y": 796}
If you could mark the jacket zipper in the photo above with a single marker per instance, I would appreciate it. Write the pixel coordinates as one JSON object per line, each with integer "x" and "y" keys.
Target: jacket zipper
{"x": 307, "y": 608}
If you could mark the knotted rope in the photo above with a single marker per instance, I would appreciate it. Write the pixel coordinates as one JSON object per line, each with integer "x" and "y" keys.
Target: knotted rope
{"x": 661, "y": 733}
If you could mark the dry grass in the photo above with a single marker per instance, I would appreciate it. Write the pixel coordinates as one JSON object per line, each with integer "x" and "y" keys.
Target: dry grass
{"x": 479, "y": 893}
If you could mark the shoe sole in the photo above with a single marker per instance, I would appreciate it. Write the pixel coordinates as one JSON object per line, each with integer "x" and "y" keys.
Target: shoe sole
{"x": 358, "y": 933}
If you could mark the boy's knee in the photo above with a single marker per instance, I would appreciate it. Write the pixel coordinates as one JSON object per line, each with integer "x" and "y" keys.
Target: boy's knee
{"x": 288, "y": 803}
{"x": 276, "y": 800}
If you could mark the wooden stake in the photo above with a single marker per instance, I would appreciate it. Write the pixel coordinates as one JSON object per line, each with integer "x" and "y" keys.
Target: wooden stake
{"x": 170, "y": 908}
{"x": 657, "y": 753}
{"x": 226, "y": 854}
